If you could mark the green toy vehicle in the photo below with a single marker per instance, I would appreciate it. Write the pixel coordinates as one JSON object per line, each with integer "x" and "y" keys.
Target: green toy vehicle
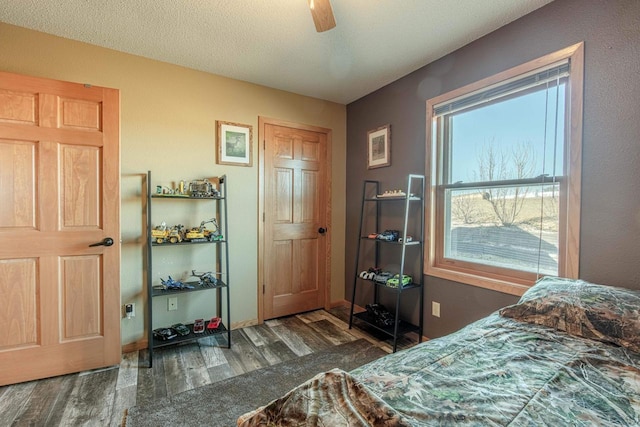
{"x": 395, "y": 281}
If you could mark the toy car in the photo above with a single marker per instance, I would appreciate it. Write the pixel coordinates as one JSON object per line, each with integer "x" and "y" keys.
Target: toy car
{"x": 164, "y": 334}
{"x": 394, "y": 282}
{"x": 388, "y": 235}
{"x": 370, "y": 274}
{"x": 181, "y": 329}
{"x": 198, "y": 326}
{"x": 380, "y": 315}
{"x": 214, "y": 323}
{"x": 381, "y": 278}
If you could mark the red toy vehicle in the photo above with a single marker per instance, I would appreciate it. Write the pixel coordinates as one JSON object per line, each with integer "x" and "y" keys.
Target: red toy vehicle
{"x": 214, "y": 323}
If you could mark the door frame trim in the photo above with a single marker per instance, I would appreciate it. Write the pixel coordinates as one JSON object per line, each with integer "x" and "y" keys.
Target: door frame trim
{"x": 262, "y": 122}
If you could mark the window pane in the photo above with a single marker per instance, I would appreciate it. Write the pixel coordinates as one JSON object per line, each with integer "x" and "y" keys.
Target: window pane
{"x": 506, "y": 139}
{"x": 510, "y": 227}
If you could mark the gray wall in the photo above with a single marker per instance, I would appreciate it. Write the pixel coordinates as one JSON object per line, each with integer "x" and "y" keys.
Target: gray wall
{"x": 610, "y": 234}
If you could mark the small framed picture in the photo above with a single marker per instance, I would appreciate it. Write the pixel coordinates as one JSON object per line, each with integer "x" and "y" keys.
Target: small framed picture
{"x": 234, "y": 143}
{"x": 379, "y": 147}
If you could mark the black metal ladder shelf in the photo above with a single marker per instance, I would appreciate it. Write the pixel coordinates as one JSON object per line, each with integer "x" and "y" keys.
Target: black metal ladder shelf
{"x": 412, "y": 200}
{"x": 220, "y": 261}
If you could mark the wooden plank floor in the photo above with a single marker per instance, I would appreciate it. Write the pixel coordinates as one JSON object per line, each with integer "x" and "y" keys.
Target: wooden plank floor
{"x": 100, "y": 397}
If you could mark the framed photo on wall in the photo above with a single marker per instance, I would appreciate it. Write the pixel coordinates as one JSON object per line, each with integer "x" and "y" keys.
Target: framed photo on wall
{"x": 379, "y": 147}
{"x": 234, "y": 143}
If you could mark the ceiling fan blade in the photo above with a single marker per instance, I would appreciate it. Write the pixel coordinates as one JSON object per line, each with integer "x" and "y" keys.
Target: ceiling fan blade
{"x": 322, "y": 15}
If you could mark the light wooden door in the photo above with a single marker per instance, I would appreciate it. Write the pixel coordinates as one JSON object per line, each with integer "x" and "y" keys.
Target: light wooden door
{"x": 59, "y": 193}
{"x": 296, "y": 218}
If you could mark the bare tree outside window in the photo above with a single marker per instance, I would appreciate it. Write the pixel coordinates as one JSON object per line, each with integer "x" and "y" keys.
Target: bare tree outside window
{"x": 465, "y": 207}
{"x": 501, "y": 165}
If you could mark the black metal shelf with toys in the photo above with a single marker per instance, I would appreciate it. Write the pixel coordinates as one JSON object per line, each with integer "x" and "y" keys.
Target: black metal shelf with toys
{"x": 403, "y": 260}
{"x": 213, "y": 193}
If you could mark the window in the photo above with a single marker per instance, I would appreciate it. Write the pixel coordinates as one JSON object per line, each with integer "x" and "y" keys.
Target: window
{"x": 504, "y": 166}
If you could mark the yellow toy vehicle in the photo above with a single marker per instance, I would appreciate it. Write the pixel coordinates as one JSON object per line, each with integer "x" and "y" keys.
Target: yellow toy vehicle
{"x": 201, "y": 234}
{"x": 161, "y": 233}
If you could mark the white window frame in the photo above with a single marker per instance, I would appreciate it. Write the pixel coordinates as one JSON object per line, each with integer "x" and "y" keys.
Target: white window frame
{"x": 501, "y": 279}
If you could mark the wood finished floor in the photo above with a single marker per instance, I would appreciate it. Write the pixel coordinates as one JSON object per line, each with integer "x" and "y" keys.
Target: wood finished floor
{"x": 100, "y": 397}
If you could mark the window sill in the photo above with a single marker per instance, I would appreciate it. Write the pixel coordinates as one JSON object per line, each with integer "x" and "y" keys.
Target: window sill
{"x": 496, "y": 283}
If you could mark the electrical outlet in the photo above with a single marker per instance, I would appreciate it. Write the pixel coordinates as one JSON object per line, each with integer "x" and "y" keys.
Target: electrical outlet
{"x": 130, "y": 310}
{"x": 435, "y": 308}
{"x": 172, "y": 304}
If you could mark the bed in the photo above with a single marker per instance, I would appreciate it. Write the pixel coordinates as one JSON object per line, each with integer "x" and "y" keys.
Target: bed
{"x": 567, "y": 354}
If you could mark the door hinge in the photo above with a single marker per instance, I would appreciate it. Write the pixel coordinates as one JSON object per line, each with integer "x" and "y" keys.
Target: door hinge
{"x": 264, "y": 144}
{"x": 263, "y": 289}
{"x": 263, "y": 217}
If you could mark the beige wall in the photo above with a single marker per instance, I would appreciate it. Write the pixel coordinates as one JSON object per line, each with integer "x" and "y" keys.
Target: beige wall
{"x": 168, "y": 116}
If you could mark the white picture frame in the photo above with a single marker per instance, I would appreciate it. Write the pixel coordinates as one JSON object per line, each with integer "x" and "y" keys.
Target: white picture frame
{"x": 235, "y": 143}
{"x": 379, "y": 147}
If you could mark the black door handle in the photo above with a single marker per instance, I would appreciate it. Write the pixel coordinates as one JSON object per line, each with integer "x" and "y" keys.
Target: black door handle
{"x": 107, "y": 241}
{"x": 322, "y": 230}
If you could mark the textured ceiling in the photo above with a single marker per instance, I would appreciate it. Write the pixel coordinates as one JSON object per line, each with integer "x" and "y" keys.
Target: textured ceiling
{"x": 274, "y": 42}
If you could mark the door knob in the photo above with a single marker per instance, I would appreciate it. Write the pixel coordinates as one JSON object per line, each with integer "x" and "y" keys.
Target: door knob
{"x": 322, "y": 230}
{"x": 107, "y": 241}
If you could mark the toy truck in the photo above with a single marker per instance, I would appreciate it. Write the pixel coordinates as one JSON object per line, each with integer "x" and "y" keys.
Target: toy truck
{"x": 161, "y": 234}
{"x": 201, "y": 234}
{"x": 203, "y": 188}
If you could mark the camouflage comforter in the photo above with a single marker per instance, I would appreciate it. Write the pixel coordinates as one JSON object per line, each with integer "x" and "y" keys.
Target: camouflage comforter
{"x": 497, "y": 371}
{"x": 567, "y": 354}
{"x": 330, "y": 399}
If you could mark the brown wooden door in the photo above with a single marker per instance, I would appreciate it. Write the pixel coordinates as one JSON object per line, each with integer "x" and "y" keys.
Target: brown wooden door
{"x": 296, "y": 206}
{"x": 59, "y": 193}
